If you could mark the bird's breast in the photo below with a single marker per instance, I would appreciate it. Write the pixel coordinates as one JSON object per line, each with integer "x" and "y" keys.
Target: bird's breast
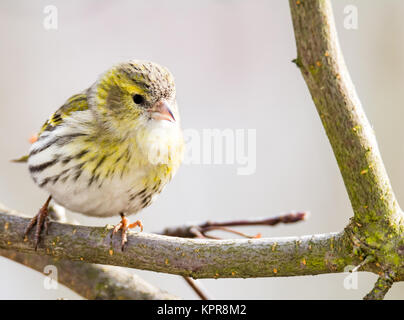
{"x": 97, "y": 177}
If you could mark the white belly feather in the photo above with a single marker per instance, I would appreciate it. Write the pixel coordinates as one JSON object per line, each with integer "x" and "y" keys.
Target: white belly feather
{"x": 110, "y": 198}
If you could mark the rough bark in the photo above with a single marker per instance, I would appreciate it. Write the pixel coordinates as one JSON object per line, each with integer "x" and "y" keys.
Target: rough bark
{"x": 93, "y": 281}
{"x": 197, "y": 258}
{"x": 382, "y": 286}
{"x": 106, "y": 282}
{"x": 377, "y": 226}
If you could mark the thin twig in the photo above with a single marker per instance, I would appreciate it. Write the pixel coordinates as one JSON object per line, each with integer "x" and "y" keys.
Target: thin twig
{"x": 197, "y": 288}
{"x": 290, "y": 217}
{"x": 192, "y": 230}
{"x": 364, "y": 262}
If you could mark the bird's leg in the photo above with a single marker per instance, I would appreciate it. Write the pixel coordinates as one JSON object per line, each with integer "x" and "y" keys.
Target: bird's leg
{"x": 124, "y": 225}
{"x": 41, "y": 220}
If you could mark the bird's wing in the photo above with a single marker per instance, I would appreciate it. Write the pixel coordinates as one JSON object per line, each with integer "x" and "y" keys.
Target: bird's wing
{"x": 75, "y": 103}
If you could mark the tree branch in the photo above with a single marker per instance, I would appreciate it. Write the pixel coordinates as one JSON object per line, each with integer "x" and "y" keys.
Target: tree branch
{"x": 103, "y": 282}
{"x": 199, "y": 230}
{"x": 349, "y": 131}
{"x": 92, "y": 281}
{"x": 377, "y": 226}
{"x": 382, "y": 286}
{"x": 196, "y": 258}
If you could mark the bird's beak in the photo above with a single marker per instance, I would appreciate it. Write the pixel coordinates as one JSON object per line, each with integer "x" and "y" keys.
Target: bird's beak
{"x": 161, "y": 111}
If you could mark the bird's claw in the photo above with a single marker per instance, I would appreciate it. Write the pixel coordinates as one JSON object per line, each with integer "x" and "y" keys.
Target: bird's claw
{"x": 40, "y": 220}
{"x": 124, "y": 226}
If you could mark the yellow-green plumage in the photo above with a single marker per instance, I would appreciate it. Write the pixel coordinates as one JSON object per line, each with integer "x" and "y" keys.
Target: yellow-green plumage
{"x": 78, "y": 102}
{"x": 112, "y": 148}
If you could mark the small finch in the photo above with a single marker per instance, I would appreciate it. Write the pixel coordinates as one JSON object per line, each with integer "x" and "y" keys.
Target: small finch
{"x": 111, "y": 149}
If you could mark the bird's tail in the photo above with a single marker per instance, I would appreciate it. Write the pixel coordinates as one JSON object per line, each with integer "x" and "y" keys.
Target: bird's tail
{"x": 24, "y": 159}
{"x": 21, "y": 159}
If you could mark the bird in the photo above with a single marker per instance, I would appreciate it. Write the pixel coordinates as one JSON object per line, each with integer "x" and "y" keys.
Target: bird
{"x": 111, "y": 149}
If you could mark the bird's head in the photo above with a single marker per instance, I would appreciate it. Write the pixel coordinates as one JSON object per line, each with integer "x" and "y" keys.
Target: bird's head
{"x": 135, "y": 94}
{"x": 137, "y": 99}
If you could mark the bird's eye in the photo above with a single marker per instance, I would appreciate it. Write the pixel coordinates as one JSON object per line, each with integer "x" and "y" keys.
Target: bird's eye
{"x": 138, "y": 99}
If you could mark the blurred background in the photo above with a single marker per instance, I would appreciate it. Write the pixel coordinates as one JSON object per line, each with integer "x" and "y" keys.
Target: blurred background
{"x": 232, "y": 63}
